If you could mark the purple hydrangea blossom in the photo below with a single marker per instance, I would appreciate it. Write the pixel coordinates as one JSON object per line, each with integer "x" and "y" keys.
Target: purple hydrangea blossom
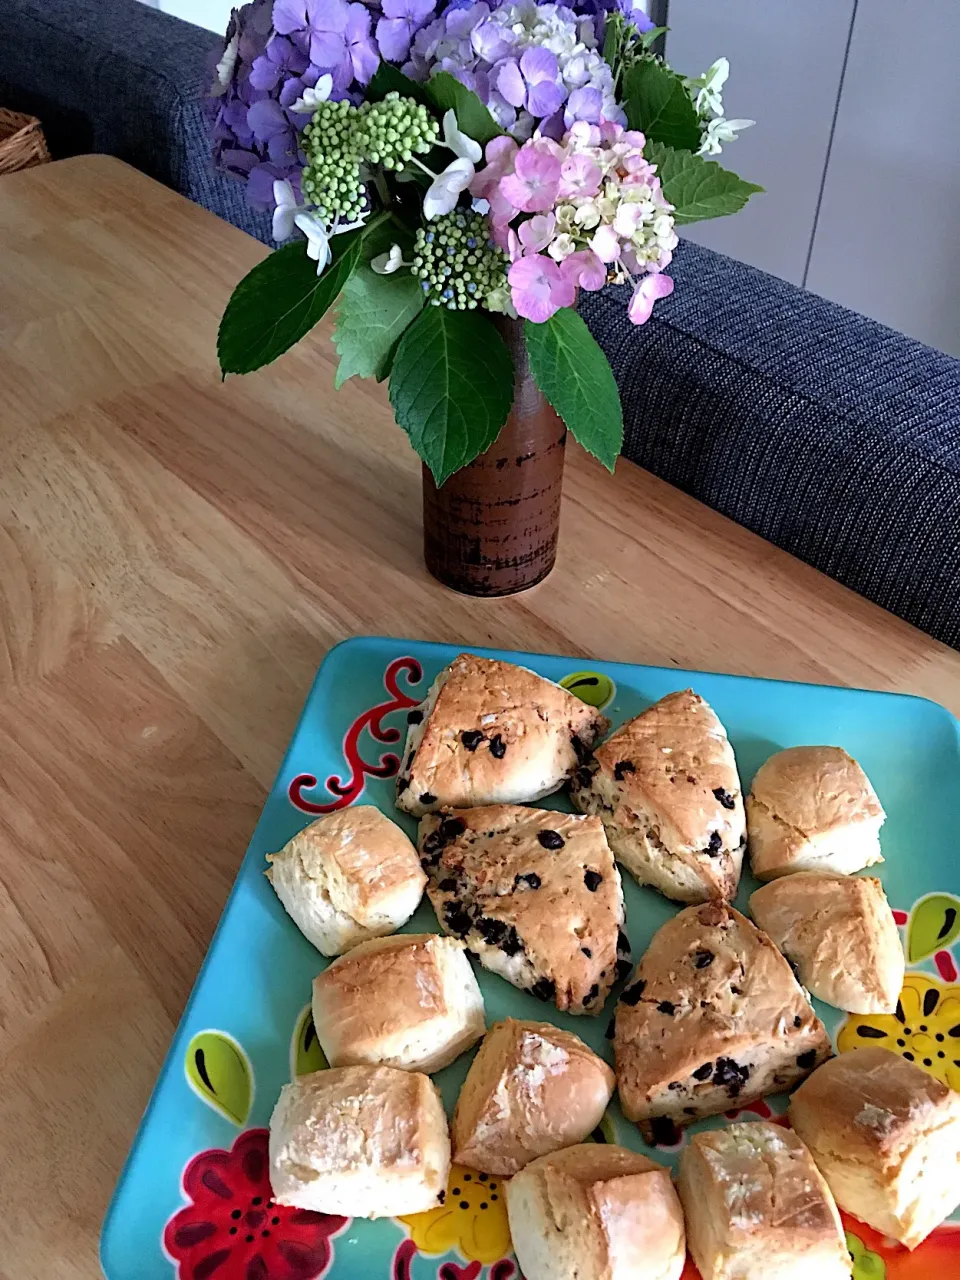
{"x": 401, "y": 21}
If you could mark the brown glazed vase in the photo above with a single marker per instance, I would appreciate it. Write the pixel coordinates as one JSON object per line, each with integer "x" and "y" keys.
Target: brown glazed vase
{"x": 491, "y": 529}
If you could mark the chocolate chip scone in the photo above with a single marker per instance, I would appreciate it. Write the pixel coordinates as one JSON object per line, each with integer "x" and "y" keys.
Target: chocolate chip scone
{"x": 712, "y": 1018}
{"x": 667, "y": 789}
{"x": 490, "y": 732}
{"x": 535, "y": 894}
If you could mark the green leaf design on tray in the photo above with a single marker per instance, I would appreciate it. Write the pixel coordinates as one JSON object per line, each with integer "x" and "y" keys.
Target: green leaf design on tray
{"x": 305, "y": 1052}
{"x": 657, "y": 103}
{"x": 590, "y": 687}
{"x": 446, "y": 91}
{"x": 697, "y": 188}
{"x": 572, "y": 372}
{"x": 282, "y": 298}
{"x": 220, "y": 1072}
{"x": 934, "y": 925}
{"x": 605, "y": 1131}
{"x": 867, "y": 1265}
{"x": 374, "y": 310}
{"x": 451, "y": 387}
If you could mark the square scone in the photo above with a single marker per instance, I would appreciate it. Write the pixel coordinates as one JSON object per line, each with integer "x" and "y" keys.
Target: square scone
{"x": 365, "y": 1142}
{"x": 667, "y": 788}
{"x": 757, "y": 1207}
{"x": 596, "y": 1212}
{"x": 530, "y": 1090}
{"x": 535, "y": 894}
{"x": 410, "y": 1001}
{"x": 812, "y": 809}
{"x": 886, "y": 1136}
{"x": 712, "y": 1018}
{"x": 839, "y": 934}
{"x": 350, "y": 876}
{"x": 490, "y": 732}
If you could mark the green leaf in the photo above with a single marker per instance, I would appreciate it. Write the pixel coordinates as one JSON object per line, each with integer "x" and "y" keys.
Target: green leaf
{"x": 374, "y": 310}
{"x": 219, "y": 1071}
{"x": 698, "y": 188}
{"x": 446, "y": 91}
{"x": 591, "y": 687}
{"x": 573, "y": 373}
{"x": 649, "y": 38}
{"x": 282, "y": 298}
{"x": 657, "y": 103}
{"x": 451, "y": 387}
{"x": 934, "y": 925}
{"x": 389, "y": 79}
{"x": 305, "y": 1052}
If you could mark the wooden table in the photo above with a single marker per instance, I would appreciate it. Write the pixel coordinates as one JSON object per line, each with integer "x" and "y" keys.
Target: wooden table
{"x": 176, "y": 556}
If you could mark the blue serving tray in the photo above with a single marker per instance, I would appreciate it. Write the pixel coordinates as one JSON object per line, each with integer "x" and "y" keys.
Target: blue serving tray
{"x": 199, "y": 1153}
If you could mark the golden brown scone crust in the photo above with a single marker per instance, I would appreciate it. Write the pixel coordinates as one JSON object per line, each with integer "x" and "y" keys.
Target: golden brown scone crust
{"x": 531, "y": 1089}
{"x": 667, "y": 788}
{"x": 714, "y": 1009}
{"x": 493, "y": 732}
{"x": 839, "y": 933}
{"x": 534, "y": 893}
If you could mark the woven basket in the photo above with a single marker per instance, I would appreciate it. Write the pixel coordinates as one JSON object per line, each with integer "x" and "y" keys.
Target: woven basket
{"x": 22, "y": 144}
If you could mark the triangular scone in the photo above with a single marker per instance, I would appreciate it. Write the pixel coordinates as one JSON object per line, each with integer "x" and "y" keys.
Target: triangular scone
{"x": 489, "y": 732}
{"x": 839, "y": 934}
{"x": 535, "y": 894}
{"x": 667, "y": 789}
{"x": 712, "y": 1018}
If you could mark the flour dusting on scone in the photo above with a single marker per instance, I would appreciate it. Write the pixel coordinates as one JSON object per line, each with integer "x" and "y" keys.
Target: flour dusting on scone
{"x": 667, "y": 788}
{"x": 712, "y": 1018}
{"x": 490, "y": 732}
{"x": 535, "y": 894}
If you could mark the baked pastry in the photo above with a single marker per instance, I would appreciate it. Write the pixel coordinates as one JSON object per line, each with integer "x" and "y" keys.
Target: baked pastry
{"x": 886, "y": 1136}
{"x": 349, "y": 876}
{"x": 596, "y": 1213}
{"x": 409, "y": 1001}
{"x": 667, "y": 789}
{"x": 713, "y": 1017}
{"x": 812, "y": 809}
{"x": 367, "y": 1142}
{"x": 839, "y": 934}
{"x": 757, "y": 1207}
{"x": 535, "y": 894}
{"x": 530, "y": 1090}
{"x": 488, "y": 733}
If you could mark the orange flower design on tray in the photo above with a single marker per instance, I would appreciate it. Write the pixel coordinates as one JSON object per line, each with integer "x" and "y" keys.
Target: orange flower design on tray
{"x": 472, "y": 1219}
{"x": 925, "y": 1028}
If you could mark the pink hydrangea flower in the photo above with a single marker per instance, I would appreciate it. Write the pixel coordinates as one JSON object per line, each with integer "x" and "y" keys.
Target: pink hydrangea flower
{"x": 646, "y": 294}
{"x": 538, "y": 287}
{"x": 537, "y": 232}
{"x": 535, "y": 180}
{"x": 500, "y": 155}
{"x": 606, "y": 243}
{"x": 584, "y": 269}
{"x": 579, "y": 176}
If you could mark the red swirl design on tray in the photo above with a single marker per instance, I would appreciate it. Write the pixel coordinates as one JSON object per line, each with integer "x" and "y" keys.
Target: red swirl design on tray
{"x": 232, "y": 1230}
{"x": 372, "y": 721}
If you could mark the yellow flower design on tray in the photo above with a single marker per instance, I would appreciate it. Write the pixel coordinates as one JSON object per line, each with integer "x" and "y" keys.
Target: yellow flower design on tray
{"x": 925, "y": 1028}
{"x": 472, "y": 1218}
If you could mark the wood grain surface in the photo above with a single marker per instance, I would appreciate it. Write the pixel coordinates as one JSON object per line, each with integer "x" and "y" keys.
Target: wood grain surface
{"x": 176, "y": 556}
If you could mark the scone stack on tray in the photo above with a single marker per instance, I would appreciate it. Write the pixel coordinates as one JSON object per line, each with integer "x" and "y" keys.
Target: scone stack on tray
{"x": 715, "y": 1016}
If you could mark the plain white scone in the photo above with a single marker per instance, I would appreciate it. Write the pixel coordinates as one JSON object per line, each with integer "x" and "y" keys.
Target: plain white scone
{"x": 410, "y": 1001}
{"x": 596, "y": 1212}
{"x": 350, "y": 876}
{"x": 366, "y": 1142}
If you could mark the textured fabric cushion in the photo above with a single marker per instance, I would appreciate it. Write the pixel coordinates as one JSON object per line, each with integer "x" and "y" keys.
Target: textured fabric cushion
{"x": 828, "y": 434}
{"x": 116, "y": 77}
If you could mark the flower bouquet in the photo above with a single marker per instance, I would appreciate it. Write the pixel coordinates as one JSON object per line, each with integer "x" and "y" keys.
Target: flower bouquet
{"x": 454, "y": 174}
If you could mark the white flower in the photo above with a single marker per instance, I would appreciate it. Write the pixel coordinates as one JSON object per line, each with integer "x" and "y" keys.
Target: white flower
{"x": 500, "y": 299}
{"x": 385, "y": 264}
{"x": 286, "y": 210}
{"x": 318, "y": 239}
{"x": 444, "y": 191}
{"x": 561, "y": 247}
{"x": 310, "y": 99}
{"x": 226, "y": 66}
{"x": 720, "y": 131}
{"x": 710, "y": 86}
{"x": 457, "y": 141}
